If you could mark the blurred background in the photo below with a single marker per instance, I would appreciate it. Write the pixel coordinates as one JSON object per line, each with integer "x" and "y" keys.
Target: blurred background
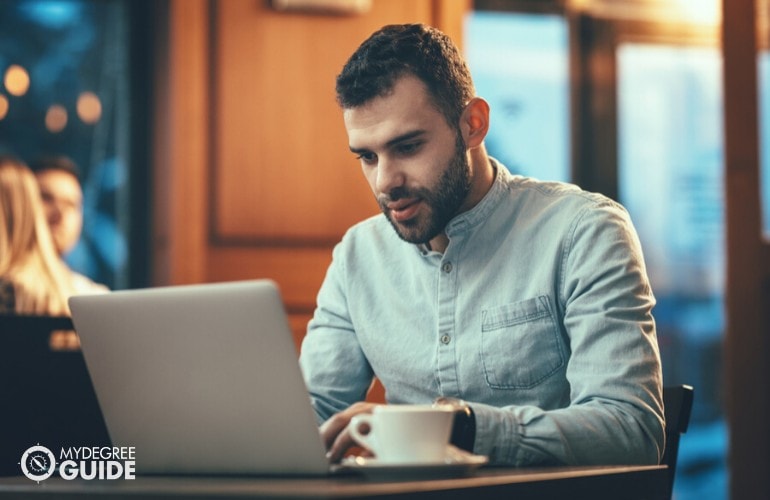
{"x": 212, "y": 149}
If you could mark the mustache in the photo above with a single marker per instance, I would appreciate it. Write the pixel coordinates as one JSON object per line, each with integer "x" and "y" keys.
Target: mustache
{"x": 398, "y": 193}
{"x": 394, "y": 195}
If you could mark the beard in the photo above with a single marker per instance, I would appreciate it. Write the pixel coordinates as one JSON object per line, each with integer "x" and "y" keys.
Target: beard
{"x": 443, "y": 201}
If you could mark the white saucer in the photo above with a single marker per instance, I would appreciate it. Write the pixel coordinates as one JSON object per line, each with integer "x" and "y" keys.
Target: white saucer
{"x": 456, "y": 462}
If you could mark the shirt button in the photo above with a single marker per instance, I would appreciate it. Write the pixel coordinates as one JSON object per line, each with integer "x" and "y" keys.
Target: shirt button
{"x": 445, "y": 339}
{"x": 447, "y": 267}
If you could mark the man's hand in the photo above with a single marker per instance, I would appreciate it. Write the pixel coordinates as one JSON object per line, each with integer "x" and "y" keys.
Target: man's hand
{"x": 335, "y": 434}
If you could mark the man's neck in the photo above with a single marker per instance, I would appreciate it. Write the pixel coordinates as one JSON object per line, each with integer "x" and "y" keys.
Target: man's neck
{"x": 483, "y": 173}
{"x": 439, "y": 243}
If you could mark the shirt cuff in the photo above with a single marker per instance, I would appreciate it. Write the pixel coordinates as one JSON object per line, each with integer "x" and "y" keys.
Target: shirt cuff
{"x": 498, "y": 434}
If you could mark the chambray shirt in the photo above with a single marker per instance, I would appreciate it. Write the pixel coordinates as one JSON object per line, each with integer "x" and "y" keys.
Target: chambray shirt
{"x": 538, "y": 314}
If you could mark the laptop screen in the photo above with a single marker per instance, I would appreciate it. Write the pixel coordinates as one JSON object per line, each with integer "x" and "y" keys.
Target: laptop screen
{"x": 201, "y": 379}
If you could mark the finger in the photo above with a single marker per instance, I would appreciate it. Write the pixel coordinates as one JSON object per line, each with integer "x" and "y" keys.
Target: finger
{"x": 334, "y": 432}
{"x": 341, "y": 444}
{"x": 336, "y": 423}
{"x": 332, "y": 427}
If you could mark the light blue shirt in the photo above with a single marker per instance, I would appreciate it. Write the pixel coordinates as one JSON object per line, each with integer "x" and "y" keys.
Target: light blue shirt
{"x": 538, "y": 314}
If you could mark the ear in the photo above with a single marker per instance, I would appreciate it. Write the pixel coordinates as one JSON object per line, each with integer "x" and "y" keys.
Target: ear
{"x": 474, "y": 122}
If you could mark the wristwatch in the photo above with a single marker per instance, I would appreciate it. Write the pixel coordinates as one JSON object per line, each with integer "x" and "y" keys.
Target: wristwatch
{"x": 464, "y": 426}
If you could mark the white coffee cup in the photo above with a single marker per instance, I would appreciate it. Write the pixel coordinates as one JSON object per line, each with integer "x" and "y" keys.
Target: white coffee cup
{"x": 408, "y": 434}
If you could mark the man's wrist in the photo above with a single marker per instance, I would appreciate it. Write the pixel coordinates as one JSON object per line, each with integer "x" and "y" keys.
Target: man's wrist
{"x": 464, "y": 425}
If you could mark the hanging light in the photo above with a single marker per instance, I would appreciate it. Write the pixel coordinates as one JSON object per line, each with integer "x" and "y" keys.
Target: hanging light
{"x": 56, "y": 118}
{"x": 89, "y": 107}
{"x": 3, "y": 106}
{"x": 16, "y": 80}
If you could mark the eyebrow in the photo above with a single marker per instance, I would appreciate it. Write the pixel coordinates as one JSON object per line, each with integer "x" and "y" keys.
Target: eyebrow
{"x": 396, "y": 140}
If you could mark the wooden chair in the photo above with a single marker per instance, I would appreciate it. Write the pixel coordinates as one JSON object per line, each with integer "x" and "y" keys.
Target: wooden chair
{"x": 45, "y": 390}
{"x": 677, "y": 402}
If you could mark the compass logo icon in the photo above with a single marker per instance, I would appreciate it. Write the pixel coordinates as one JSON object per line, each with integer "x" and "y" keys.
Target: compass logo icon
{"x": 38, "y": 463}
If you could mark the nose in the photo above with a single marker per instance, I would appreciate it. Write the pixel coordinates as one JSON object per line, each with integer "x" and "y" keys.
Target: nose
{"x": 54, "y": 213}
{"x": 390, "y": 176}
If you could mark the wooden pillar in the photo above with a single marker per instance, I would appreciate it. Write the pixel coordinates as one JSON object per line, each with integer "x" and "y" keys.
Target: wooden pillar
{"x": 180, "y": 197}
{"x": 746, "y": 346}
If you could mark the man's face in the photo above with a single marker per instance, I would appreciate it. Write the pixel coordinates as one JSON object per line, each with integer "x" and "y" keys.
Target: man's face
{"x": 415, "y": 163}
{"x": 63, "y": 202}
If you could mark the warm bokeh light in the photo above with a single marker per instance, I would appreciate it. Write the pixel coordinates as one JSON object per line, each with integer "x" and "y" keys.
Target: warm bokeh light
{"x": 56, "y": 118}
{"x": 700, "y": 11}
{"x": 89, "y": 107}
{"x": 3, "y": 106}
{"x": 64, "y": 340}
{"x": 16, "y": 80}
{"x": 703, "y": 12}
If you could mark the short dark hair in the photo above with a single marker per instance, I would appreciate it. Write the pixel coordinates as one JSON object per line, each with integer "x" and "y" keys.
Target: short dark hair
{"x": 62, "y": 163}
{"x": 407, "y": 49}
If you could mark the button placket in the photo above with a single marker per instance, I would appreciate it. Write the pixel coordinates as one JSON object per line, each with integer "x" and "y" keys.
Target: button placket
{"x": 447, "y": 301}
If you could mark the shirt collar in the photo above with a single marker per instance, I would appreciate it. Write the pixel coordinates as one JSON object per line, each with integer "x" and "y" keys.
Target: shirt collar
{"x": 483, "y": 208}
{"x": 480, "y": 212}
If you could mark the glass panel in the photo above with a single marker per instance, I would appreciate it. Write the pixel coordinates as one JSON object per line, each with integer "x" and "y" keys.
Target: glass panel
{"x": 74, "y": 56}
{"x": 671, "y": 181}
{"x": 520, "y": 65}
{"x": 763, "y": 69}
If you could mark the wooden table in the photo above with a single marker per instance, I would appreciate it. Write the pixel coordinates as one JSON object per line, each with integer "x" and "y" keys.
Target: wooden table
{"x": 611, "y": 482}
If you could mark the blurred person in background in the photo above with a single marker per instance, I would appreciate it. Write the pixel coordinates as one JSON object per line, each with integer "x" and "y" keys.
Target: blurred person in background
{"x": 33, "y": 278}
{"x": 62, "y": 195}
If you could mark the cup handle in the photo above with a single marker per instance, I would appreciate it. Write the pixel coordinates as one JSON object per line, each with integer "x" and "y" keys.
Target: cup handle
{"x": 365, "y": 440}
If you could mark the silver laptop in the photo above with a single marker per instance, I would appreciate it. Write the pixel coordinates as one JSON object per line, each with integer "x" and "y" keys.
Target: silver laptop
{"x": 201, "y": 379}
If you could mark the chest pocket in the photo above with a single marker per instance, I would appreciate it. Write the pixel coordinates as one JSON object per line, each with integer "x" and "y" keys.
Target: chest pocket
{"x": 520, "y": 344}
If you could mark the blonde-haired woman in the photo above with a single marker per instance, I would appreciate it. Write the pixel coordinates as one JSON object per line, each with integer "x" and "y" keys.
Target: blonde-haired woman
{"x": 33, "y": 279}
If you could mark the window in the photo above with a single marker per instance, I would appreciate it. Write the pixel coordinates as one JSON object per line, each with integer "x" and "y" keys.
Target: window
{"x": 68, "y": 89}
{"x": 671, "y": 182}
{"x": 520, "y": 65}
{"x": 763, "y": 70}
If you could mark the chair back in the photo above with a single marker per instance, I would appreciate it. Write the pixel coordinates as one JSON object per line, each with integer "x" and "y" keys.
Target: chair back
{"x": 677, "y": 404}
{"x": 45, "y": 389}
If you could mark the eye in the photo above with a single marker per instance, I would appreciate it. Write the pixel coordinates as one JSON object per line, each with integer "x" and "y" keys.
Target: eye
{"x": 408, "y": 148}
{"x": 367, "y": 158}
